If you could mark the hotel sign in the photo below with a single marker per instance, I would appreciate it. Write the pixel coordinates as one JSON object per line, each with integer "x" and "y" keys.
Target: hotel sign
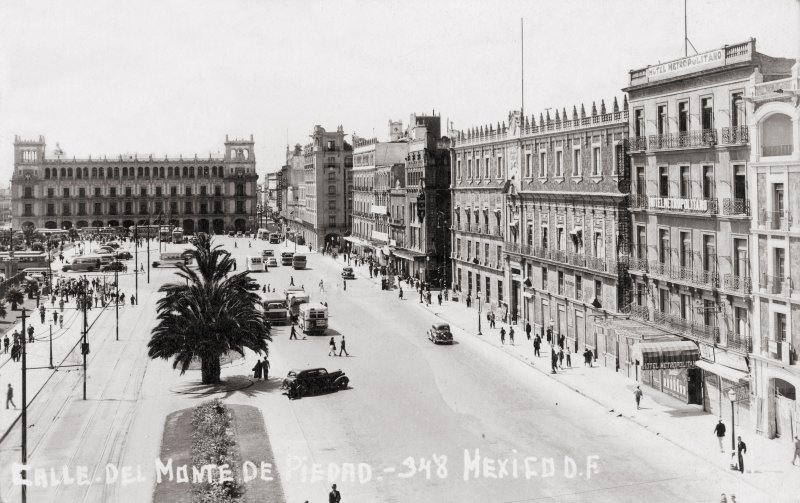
{"x": 676, "y": 203}
{"x": 683, "y": 66}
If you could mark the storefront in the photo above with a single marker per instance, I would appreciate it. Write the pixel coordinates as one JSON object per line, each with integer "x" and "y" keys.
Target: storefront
{"x": 408, "y": 262}
{"x": 669, "y": 367}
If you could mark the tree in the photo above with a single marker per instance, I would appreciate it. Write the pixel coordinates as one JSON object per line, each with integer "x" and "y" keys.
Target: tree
{"x": 207, "y": 313}
{"x": 3, "y": 311}
{"x": 32, "y": 288}
{"x": 28, "y": 232}
{"x": 14, "y": 296}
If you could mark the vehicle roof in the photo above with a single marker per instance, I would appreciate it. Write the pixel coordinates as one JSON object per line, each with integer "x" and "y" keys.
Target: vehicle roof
{"x": 347, "y": 268}
{"x": 440, "y": 326}
{"x": 314, "y": 305}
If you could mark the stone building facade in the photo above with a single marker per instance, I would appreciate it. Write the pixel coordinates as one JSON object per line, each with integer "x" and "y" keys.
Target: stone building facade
{"x": 214, "y": 194}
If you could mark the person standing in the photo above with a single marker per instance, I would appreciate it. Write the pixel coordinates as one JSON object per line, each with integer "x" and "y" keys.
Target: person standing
{"x": 637, "y": 394}
{"x": 469, "y": 300}
{"x": 741, "y": 450}
{"x": 568, "y": 355}
{"x": 344, "y": 284}
{"x": 401, "y": 293}
{"x": 342, "y": 348}
{"x": 440, "y": 298}
{"x": 537, "y": 343}
{"x": 511, "y": 335}
{"x": 796, "y": 449}
{"x": 265, "y": 368}
{"x": 30, "y": 334}
{"x": 560, "y": 358}
{"x": 719, "y": 431}
{"x": 332, "y": 344}
{"x": 502, "y": 335}
{"x": 41, "y": 314}
{"x": 6, "y": 342}
{"x": 553, "y": 359}
{"x": 334, "y": 496}
{"x": 60, "y": 321}
{"x": 550, "y": 335}
{"x": 528, "y": 329}
{"x": 10, "y": 396}
{"x": 257, "y": 370}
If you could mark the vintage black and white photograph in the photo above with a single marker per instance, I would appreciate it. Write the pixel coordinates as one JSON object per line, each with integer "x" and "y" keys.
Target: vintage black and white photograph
{"x": 360, "y": 251}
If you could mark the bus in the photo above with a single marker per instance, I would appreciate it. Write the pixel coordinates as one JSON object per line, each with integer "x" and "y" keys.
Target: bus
{"x": 274, "y": 238}
{"x": 177, "y": 236}
{"x": 172, "y": 259}
{"x": 262, "y": 234}
{"x": 299, "y": 262}
{"x": 89, "y": 263}
{"x": 146, "y": 231}
{"x": 286, "y": 258}
{"x": 313, "y": 318}
{"x": 165, "y": 234}
{"x": 276, "y": 308}
{"x": 255, "y": 263}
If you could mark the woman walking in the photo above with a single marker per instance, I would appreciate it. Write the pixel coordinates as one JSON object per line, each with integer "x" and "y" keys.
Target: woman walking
{"x": 332, "y": 344}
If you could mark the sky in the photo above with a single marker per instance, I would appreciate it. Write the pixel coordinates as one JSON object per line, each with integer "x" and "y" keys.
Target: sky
{"x": 175, "y": 76}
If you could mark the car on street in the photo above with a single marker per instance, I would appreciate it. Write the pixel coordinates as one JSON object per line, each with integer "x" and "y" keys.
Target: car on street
{"x": 114, "y": 266}
{"x": 347, "y": 273}
{"x": 272, "y": 262}
{"x": 239, "y": 234}
{"x": 123, "y": 255}
{"x": 112, "y": 244}
{"x": 231, "y": 233}
{"x": 440, "y": 334}
{"x": 286, "y": 258}
{"x": 105, "y": 249}
{"x": 299, "y": 383}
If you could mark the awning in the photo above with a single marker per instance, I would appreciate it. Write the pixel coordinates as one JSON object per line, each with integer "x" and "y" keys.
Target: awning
{"x": 723, "y": 371}
{"x": 667, "y": 354}
{"x": 576, "y": 230}
{"x": 407, "y": 254}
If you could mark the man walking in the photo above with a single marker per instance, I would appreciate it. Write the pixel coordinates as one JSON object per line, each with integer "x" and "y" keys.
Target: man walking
{"x": 293, "y": 333}
{"x": 10, "y": 396}
{"x": 719, "y": 431}
{"x": 6, "y": 342}
{"x": 553, "y": 359}
{"x": 30, "y": 334}
{"x": 511, "y": 335}
{"x": 342, "y": 349}
{"x": 257, "y": 370}
{"x": 265, "y": 368}
{"x": 334, "y": 496}
{"x": 638, "y": 395}
{"x": 741, "y": 450}
{"x": 502, "y": 335}
{"x": 528, "y": 329}
{"x": 440, "y": 298}
{"x": 537, "y": 343}
{"x": 291, "y": 280}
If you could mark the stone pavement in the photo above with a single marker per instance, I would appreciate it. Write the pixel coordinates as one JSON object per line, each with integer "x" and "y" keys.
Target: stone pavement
{"x": 767, "y": 462}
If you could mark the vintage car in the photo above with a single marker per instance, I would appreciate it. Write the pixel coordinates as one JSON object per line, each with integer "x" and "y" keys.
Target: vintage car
{"x": 114, "y": 266}
{"x": 347, "y": 273}
{"x": 312, "y": 381}
{"x": 123, "y": 255}
{"x": 440, "y": 333}
{"x": 272, "y": 262}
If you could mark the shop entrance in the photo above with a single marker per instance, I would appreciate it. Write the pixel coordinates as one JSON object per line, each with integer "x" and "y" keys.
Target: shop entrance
{"x": 785, "y": 403}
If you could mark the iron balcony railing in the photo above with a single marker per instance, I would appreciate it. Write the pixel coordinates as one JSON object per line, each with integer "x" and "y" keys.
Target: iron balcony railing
{"x": 742, "y": 284}
{"x": 638, "y": 143}
{"x": 687, "y": 139}
{"x": 638, "y": 264}
{"x": 688, "y": 274}
{"x": 775, "y": 220}
{"x": 740, "y": 342}
{"x": 735, "y": 206}
{"x": 775, "y": 285}
{"x": 691, "y": 329}
{"x": 738, "y": 135}
{"x": 638, "y": 312}
{"x": 639, "y": 201}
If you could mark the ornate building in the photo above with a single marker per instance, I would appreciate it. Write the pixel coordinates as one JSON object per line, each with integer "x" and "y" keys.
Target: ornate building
{"x": 216, "y": 194}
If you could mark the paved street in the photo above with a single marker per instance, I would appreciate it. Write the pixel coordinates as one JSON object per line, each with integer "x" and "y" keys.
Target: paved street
{"x": 407, "y": 398}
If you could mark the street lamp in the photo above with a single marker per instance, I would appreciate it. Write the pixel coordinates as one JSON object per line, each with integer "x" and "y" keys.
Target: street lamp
{"x": 732, "y": 398}
{"x": 478, "y": 299}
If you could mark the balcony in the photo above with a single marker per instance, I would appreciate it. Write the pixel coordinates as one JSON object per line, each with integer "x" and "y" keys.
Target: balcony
{"x": 690, "y": 329}
{"x": 775, "y": 220}
{"x": 741, "y": 284}
{"x": 739, "y": 342}
{"x": 734, "y": 207}
{"x": 739, "y": 135}
{"x": 638, "y": 143}
{"x": 775, "y": 285}
{"x": 637, "y": 312}
{"x": 686, "y": 274}
{"x": 397, "y": 221}
{"x": 686, "y": 139}
{"x": 638, "y": 264}
{"x": 684, "y": 205}
{"x": 776, "y": 150}
{"x": 639, "y": 201}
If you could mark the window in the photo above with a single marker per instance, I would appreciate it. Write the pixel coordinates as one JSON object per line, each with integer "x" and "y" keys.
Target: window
{"x": 686, "y": 306}
{"x": 578, "y": 287}
{"x": 741, "y": 265}
{"x": 81, "y": 209}
{"x": 158, "y": 191}
{"x": 739, "y": 187}
{"x": 239, "y": 190}
{"x": 217, "y": 206}
{"x": 544, "y": 237}
{"x": 663, "y": 300}
{"x": 663, "y": 181}
{"x": 51, "y": 192}
{"x": 217, "y": 190}
{"x": 777, "y": 198}
{"x": 112, "y": 192}
{"x": 203, "y": 190}
{"x": 709, "y": 191}
{"x": 780, "y": 327}
{"x": 331, "y": 176}
{"x": 187, "y": 207}
{"x": 500, "y": 167}
{"x": 686, "y": 182}
{"x": 112, "y": 208}
{"x": 686, "y": 249}
{"x": 641, "y": 242}
{"x": 740, "y": 320}
{"x": 128, "y": 208}
{"x": 27, "y": 192}
{"x": 469, "y": 168}
{"x": 499, "y": 291}
{"x": 469, "y": 281}
{"x": 779, "y": 265}
{"x": 640, "y": 293}
{"x": 469, "y": 250}
{"x": 499, "y": 254}
{"x": 458, "y": 168}
{"x": 173, "y": 191}
{"x": 709, "y": 318}
{"x": 28, "y": 211}
{"x": 638, "y": 122}
{"x": 332, "y": 220}
{"x": 738, "y": 117}
{"x": 559, "y": 163}
{"x": 332, "y": 190}
{"x": 66, "y": 192}
{"x": 707, "y": 113}
{"x": 486, "y": 168}
{"x": 173, "y": 207}
{"x": 128, "y": 191}
{"x": 641, "y": 181}
{"x": 488, "y": 288}
{"x": 486, "y": 253}
{"x": 661, "y": 118}
{"x": 599, "y": 247}
{"x": 332, "y": 204}
{"x": 596, "y": 161}
{"x": 159, "y": 208}
{"x": 478, "y": 283}
{"x": 65, "y": 209}
{"x": 576, "y": 162}
{"x": 561, "y": 282}
{"x": 542, "y": 164}
{"x": 683, "y": 116}
{"x": 544, "y": 278}
{"x": 598, "y": 290}
{"x": 528, "y": 164}
{"x": 188, "y": 191}
{"x": 663, "y": 250}
{"x": 560, "y": 238}
{"x": 709, "y": 253}
{"x": 98, "y": 208}
{"x": 143, "y": 209}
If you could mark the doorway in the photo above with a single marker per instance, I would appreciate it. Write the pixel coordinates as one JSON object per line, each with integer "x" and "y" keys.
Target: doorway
{"x": 784, "y": 401}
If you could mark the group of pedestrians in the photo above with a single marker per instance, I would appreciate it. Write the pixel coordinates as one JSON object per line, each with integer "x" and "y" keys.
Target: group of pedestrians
{"x": 342, "y": 347}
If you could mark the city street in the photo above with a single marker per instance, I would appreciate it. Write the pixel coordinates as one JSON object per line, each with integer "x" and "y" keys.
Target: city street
{"x": 407, "y": 399}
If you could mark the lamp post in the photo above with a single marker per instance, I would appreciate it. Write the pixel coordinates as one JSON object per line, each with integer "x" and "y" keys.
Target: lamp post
{"x": 478, "y": 299}
{"x": 732, "y": 398}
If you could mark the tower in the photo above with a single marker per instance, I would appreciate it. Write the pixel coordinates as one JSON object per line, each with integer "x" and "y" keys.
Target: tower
{"x": 239, "y": 150}
{"x": 28, "y": 153}
{"x": 395, "y": 130}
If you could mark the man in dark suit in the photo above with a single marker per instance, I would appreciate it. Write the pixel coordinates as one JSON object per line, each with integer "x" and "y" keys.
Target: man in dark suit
{"x": 334, "y": 496}
{"x": 741, "y": 450}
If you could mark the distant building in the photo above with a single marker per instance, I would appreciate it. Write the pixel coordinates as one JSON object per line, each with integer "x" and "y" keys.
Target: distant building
{"x": 5, "y": 206}
{"x": 214, "y": 194}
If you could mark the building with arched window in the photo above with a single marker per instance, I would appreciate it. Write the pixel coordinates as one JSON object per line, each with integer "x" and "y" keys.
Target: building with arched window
{"x": 213, "y": 194}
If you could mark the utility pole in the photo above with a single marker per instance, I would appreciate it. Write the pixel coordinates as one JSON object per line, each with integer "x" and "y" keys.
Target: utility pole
{"x": 136, "y": 259}
{"x": 116, "y": 303}
{"x": 85, "y": 345}
{"x": 24, "y": 418}
{"x": 51, "y": 345}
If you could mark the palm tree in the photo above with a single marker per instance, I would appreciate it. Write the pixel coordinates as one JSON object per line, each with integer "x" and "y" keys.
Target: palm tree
{"x": 14, "y": 296}
{"x": 208, "y": 313}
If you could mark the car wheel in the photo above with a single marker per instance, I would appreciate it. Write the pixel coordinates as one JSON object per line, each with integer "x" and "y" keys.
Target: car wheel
{"x": 343, "y": 382}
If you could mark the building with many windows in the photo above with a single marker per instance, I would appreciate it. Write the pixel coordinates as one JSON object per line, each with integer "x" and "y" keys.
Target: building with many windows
{"x": 214, "y": 194}
{"x": 773, "y": 175}
{"x": 292, "y": 176}
{"x": 691, "y": 214}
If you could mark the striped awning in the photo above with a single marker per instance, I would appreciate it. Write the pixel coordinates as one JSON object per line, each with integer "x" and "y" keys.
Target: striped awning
{"x": 666, "y": 354}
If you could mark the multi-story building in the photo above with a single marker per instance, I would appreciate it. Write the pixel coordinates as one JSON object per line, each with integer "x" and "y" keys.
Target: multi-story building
{"x": 213, "y": 194}
{"x": 5, "y": 206}
{"x": 773, "y": 175}
{"x": 291, "y": 179}
{"x": 691, "y": 208}
{"x": 420, "y": 222}
{"x": 325, "y": 200}
{"x": 270, "y": 201}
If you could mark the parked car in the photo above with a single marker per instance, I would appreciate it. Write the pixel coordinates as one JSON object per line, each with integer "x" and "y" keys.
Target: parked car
{"x": 112, "y": 244}
{"x": 347, "y": 273}
{"x": 231, "y": 233}
{"x": 312, "y": 381}
{"x": 272, "y": 262}
{"x": 239, "y": 234}
{"x": 123, "y": 255}
{"x": 114, "y": 266}
{"x": 440, "y": 334}
{"x": 105, "y": 249}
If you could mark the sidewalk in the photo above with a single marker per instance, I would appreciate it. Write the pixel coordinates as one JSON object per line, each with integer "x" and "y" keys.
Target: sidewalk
{"x": 767, "y": 462}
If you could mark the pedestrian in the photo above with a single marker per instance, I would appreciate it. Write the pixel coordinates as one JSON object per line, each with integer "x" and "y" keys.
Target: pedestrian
{"x": 234, "y": 264}
{"x": 796, "y": 449}
{"x": 321, "y": 286}
{"x": 60, "y": 321}
{"x": 133, "y": 300}
{"x": 719, "y": 431}
{"x": 293, "y": 334}
{"x": 569, "y": 358}
{"x": 741, "y": 450}
{"x": 537, "y": 343}
{"x": 511, "y": 335}
{"x": 141, "y": 267}
{"x": 440, "y": 298}
{"x": 469, "y": 300}
{"x": 257, "y": 370}
{"x": 265, "y": 368}
{"x": 502, "y": 335}
{"x": 428, "y": 297}
{"x": 342, "y": 348}
{"x": 561, "y": 339}
{"x": 446, "y": 294}
{"x": 264, "y": 289}
{"x": 560, "y": 358}
{"x": 344, "y": 284}
{"x": 550, "y": 334}
{"x": 291, "y": 280}
{"x": 401, "y": 293}
{"x": 528, "y": 330}
{"x": 61, "y": 305}
{"x": 334, "y": 496}
{"x": 6, "y": 343}
{"x": 235, "y": 244}
{"x": 553, "y": 359}
{"x": 41, "y": 314}
{"x": 587, "y": 357}
{"x": 332, "y": 344}
{"x": 30, "y": 334}
{"x": 493, "y": 320}
{"x": 637, "y": 394}
{"x": 10, "y": 396}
